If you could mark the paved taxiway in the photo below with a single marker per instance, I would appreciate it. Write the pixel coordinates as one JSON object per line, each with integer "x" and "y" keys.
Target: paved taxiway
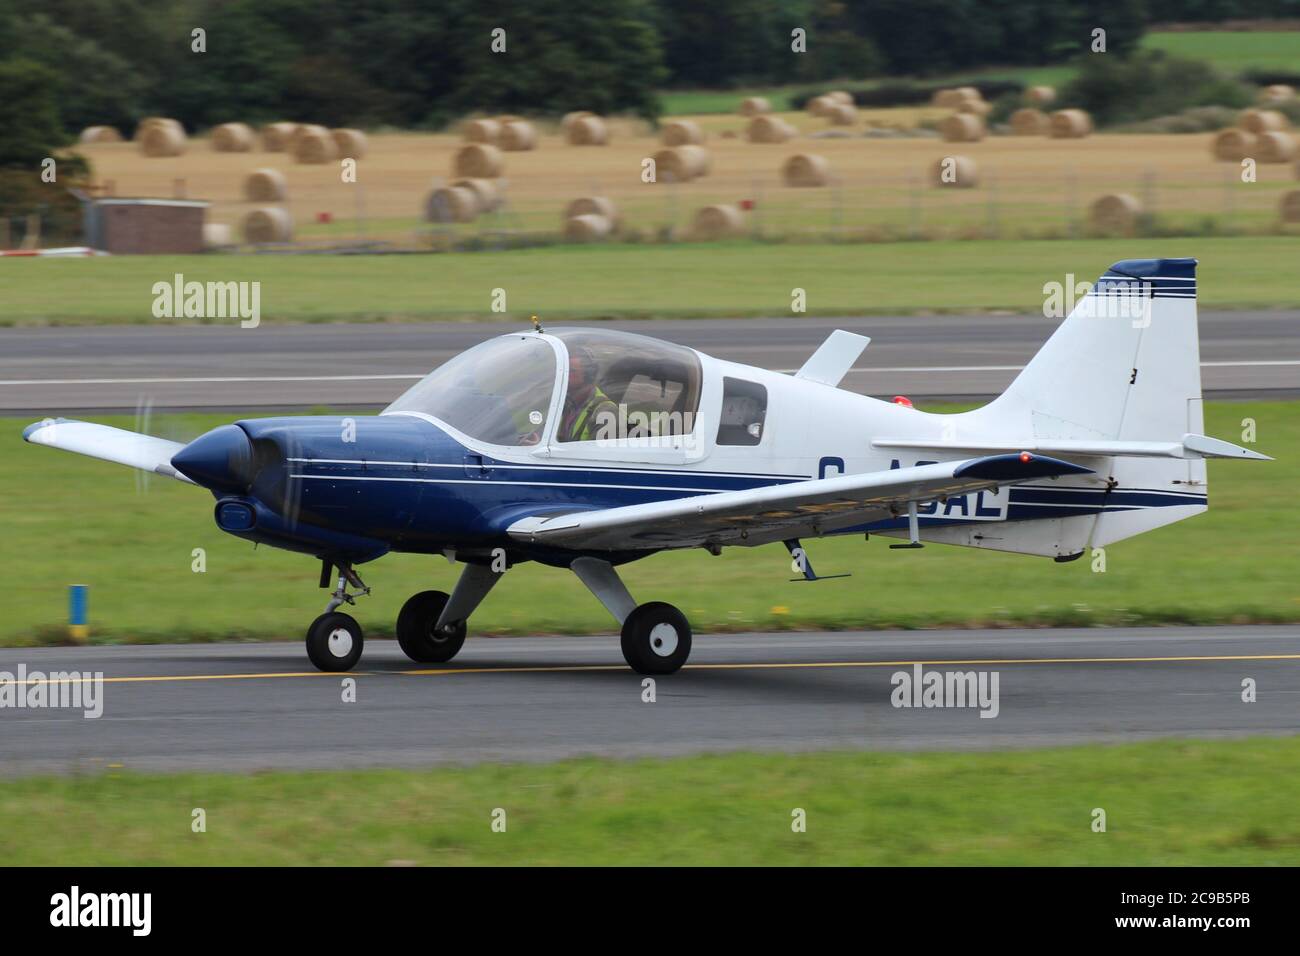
{"x": 232, "y": 706}
{"x": 62, "y": 370}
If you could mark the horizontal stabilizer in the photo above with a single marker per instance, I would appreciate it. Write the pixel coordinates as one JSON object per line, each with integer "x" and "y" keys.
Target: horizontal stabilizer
{"x": 107, "y": 443}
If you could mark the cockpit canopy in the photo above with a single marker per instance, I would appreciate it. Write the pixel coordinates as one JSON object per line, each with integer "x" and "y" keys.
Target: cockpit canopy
{"x": 619, "y": 385}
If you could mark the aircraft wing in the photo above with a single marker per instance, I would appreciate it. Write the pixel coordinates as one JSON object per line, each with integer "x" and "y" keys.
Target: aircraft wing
{"x": 775, "y": 512}
{"x": 110, "y": 444}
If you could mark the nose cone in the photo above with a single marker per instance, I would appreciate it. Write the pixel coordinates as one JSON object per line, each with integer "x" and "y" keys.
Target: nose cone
{"x": 221, "y": 460}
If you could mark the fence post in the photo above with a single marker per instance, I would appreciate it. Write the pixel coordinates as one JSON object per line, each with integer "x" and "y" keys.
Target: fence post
{"x": 78, "y": 629}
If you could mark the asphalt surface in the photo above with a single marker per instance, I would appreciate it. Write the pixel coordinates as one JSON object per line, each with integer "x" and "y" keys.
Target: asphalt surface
{"x": 66, "y": 370}
{"x": 227, "y": 707}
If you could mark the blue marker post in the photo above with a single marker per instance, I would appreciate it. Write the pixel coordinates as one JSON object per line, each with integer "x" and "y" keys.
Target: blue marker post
{"x": 78, "y": 629}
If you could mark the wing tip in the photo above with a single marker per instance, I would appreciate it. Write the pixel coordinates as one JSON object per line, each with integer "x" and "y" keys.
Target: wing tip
{"x": 44, "y": 423}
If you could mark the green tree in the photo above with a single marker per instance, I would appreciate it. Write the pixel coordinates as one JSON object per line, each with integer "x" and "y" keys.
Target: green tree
{"x": 30, "y": 128}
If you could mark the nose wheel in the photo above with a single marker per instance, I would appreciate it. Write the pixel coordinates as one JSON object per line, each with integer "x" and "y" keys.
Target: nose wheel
{"x": 334, "y": 642}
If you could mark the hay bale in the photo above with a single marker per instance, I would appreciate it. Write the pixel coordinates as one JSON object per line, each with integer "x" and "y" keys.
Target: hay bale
{"x": 314, "y": 147}
{"x": 162, "y": 140}
{"x": 587, "y": 227}
{"x": 587, "y": 131}
{"x": 265, "y": 185}
{"x": 1275, "y": 146}
{"x": 1029, "y": 122}
{"x": 268, "y": 224}
{"x": 1290, "y": 206}
{"x": 1261, "y": 121}
{"x": 216, "y": 235}
{"x": 1040, "y": 95}
{"x": 481, "y": 131}
{"x": 961, "y": 128}
{"x": 1115, "y": 212}
{"x": 1069, "y": 124}
{"x": 100, "y": 134}
{"x": 451, "y": 204}
{"x": 755, "y": 106}
{"x": 819, "y": 105}
{"x": 149, "y": 122}
{"x": 1276, "y": 93}
{"x": 806, "y": 169}
{"x": 350, "y": 143}
{"x": 304, "y": 129}
{"x": 571, "y": 118}
{"x": 945, "y": 98}
{"x": 276, "y": 136}
{"x": 484, "y": 190}
{"x": 955, "y": 172}
{"x": 592, "y": 206}
{"x": 769, "y": 129}
{"x": 842, "y": 114}
{"x": 841, "y": 96}
{"x": 682, "y": 133}
{"x": 681, "y": 163}
{"x": 718, "y": 222}
{"x": 979, "y": 108}
{"x": 232, "y": 138}
{"x": 517, "y": 136}
{"x": 1233, "y": 145}
{"x": 478, "y": 161}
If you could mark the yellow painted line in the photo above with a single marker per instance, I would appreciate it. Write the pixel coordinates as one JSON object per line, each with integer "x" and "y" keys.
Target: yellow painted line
{"x": 756, "y": 665}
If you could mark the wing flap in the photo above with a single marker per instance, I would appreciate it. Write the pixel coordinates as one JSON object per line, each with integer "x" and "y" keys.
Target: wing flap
{"x": 108, "y": 444}
{"x": 758, "y": 515}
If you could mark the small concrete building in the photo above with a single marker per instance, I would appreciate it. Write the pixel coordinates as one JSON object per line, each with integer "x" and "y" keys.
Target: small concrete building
{"x": 145, "y": 226}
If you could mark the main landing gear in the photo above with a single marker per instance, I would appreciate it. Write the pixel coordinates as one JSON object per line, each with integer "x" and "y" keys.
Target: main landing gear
{"x": 656, "y": 637}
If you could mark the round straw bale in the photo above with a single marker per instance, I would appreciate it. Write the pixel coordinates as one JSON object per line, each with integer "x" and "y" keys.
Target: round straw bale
{"x": 1276, "y": 93}
{"x": 841, "y": 96}
{"x": 268, "y": 224}
{"x": 962, "y": 94}
{"x": 1261, "y": 121}
{"x": 1233, "y": 144}
{"x": 216, "y": 235}
{"x": 1275, "y": 146}
{"x": 304, "y": 129}
{"x": 478, "y": 161}
{"x": 151, "y": 121}
{"x": 681, "y": 164}
{"x": 841, "y": 114}
{"x": 806, "y": 169}
{"x": 1029, "y": 122}
{"x": 573, "y": 117}
{"x": 1040, "y": 95}
{"x": 980, "y": 108}
{"x": 1115, "y": 212}
{"x": 718, "y": 222}
{"x": 484, "y": 190}
{"x": 232, "y": 138}
{"x": 451, "y": 204}
{"x": 754, "y": 106}
{"x": 265, "y": 185}
{"x": 769, "y": 129}
{"x": 588, "y": 131}
{"x": 100, "y": 134}
{"x": 350, "y": 143}
{"x": 962, "y": 128}
{"x": 946, "y": 98}
{"x": 587, "y": 227}
{"x": 162, "y": 140}
{"x": 276, "y": 136}
{"x": 959, "y": 172}
{"x": 517, "y": 136}
{"x": 315, "y": 146}
{"x": 819, "y": 105}
{"x": 682, "y": 133}
{"x": 1069, "y": 124}
{"x": 481, "y": 131}
{"x": 1290, "y": 206}
{"x": 592, "y": 206}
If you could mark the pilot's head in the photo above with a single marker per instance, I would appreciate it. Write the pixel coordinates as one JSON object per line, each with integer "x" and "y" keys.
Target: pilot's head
{"x": 582, "y": 373}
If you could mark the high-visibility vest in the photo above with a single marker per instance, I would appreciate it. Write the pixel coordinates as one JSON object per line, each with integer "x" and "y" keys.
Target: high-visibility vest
{"x": 578, "y": 431}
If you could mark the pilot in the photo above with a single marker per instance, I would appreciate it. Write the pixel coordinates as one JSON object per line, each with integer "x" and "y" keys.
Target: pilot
{"x": 585, "y": 405}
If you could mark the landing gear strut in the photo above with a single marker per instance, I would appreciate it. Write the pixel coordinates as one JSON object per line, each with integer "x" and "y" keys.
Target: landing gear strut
{"x": 335, "y": 640}
{"x": 656, "y": 637}
{"x": 431, "y": 625}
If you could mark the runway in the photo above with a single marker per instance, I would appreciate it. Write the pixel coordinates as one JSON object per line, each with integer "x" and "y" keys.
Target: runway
{"x": 963, "y": 357}
{"x": 255, "y": 706}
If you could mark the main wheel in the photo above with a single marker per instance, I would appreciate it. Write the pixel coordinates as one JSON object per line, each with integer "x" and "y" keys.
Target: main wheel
{"x": 656, "y": 639}
{"x": 416, "y": 634}
{"x": 334, "y": 642}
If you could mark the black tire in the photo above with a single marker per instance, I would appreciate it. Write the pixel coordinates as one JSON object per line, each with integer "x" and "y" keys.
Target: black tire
{"x": 415, "y": 632}
{"x": 334, "y": 642}
{"x": 656, "y": 639}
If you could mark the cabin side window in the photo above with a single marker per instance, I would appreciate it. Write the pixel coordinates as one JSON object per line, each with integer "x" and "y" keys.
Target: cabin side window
{"x": 744, "y": 410}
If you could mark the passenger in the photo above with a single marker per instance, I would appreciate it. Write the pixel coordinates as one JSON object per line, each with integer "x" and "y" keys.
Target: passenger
{"x": 585, "y": 405}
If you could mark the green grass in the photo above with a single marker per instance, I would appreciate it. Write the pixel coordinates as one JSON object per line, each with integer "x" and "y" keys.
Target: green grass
{"x": 674, "y": 281}
{"x": 1224, "y": 803}
{"x": 72, "y": 520}
{"x": 1232, "y": 51}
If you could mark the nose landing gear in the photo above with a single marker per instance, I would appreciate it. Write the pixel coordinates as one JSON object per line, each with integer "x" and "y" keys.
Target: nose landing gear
{"x": 335, "y": 640}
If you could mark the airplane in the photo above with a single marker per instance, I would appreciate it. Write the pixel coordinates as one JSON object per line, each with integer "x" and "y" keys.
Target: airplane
{"x": 587, "y": 449}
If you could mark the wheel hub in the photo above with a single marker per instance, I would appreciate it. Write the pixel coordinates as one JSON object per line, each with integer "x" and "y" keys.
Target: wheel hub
{"x": 340, "y": 642}
{"x": 663, "y": 639}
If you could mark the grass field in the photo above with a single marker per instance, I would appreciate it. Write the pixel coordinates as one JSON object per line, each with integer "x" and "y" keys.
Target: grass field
{"x": 71, "y": 520}
{"x": 1225, "y": 803}
{"x": 679, "y": 281}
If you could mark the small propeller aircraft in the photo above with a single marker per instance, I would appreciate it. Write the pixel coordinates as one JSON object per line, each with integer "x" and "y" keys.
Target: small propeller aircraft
{"x": 587, "y": 449}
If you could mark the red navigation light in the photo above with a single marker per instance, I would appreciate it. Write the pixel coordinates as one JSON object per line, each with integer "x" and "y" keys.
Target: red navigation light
{"x": 903, "y": 400}
{"x": 1026, "y": 457}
